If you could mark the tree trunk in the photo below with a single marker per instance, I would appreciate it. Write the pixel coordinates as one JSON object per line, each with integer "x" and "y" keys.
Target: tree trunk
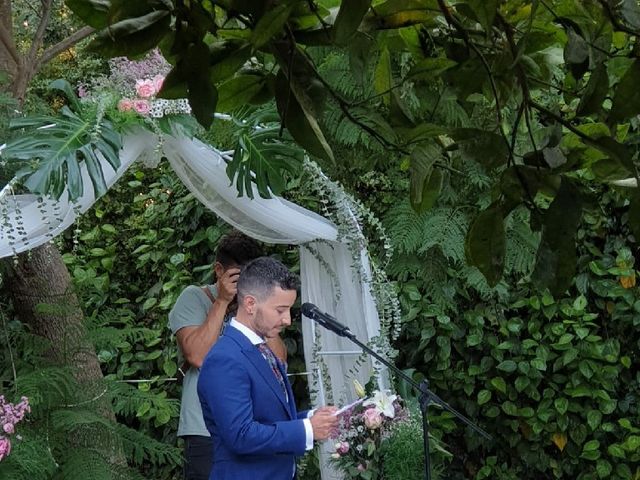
{"x": 40, "y": 287}
{"x": 7, "y": 63}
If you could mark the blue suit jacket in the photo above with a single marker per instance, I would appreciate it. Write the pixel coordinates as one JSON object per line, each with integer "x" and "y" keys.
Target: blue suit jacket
{"x": 256, "y": 432}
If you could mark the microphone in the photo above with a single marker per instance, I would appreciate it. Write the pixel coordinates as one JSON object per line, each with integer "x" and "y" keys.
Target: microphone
{"x": 327, "y": 321}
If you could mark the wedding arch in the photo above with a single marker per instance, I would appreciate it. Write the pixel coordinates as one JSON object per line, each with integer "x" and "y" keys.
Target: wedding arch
{"x": 335, "y": 269}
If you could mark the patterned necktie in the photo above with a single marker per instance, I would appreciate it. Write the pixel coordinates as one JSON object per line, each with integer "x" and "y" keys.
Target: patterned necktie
{"x": 273, "y": 363}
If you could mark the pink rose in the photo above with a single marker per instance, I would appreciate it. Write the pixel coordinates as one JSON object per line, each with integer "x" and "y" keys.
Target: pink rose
{"x": 361, "y": 467}
{"x": 372, "y": 419}
{"x": 141, "y": 106}
{"x": 125, "y": 105}
{"x": 158, "y": 80}
{"x": 5, "y": 447}
{"x": 342, "y": 448}
{"x": 145, "y": 88}
{"x": 8, "y": 428}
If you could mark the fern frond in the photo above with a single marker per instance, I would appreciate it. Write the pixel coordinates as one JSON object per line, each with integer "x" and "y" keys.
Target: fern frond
{"x": 446, "y": 228}
{"x": 47, "y": 387}
{"x": 137, "y": 446}
{"x": 404, "y": 227}
{"x": 30, "y": 459}
{"x": 109, "y": 328}
{"x": 140, "y": 448}
{"x": 417, "y": 233}
{"x": 85, "y": 463}
{"x": 128, "y": 400}
{"x": 522, "y": 244}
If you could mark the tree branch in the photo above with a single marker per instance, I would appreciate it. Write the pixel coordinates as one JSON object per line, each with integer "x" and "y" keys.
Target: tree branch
{"x": 8, "y": 43}
{"x": 615, "y": 21}
{"x": 521, "y": 76}
{"x": 565, "y": 123}
{"x": 53, "y": 51}
{"x": 38, "y": 38}
{"x": 469, "y": 43}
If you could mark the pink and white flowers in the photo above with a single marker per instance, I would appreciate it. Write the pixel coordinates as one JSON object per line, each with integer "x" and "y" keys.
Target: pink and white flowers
{"x": 10, "y": 415}
{"x": 145, "y": 88}
{"x": 141, "y": 106}
{"x": 125, "y": 104}
{"x": 372, "y": 418}
{"x": 383, "y": 402}
{"x": 363, "y": 429}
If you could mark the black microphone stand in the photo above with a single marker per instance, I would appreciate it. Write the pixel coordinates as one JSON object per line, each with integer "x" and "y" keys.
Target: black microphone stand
{"x": 426, "y": 395}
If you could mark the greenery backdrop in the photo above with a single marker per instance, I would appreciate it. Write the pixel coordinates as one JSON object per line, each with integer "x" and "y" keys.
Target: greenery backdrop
{"x": 514, "y": 259}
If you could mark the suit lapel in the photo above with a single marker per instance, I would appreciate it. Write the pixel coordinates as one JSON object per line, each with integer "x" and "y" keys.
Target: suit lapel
{"x": 262, "y": 366}
{"x": 292, "y": 403}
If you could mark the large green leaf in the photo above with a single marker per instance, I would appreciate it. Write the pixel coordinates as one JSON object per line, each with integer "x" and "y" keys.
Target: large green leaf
{"x": 125, "y": 9}
{"x": 626, "y": 100}
{"x": 485, "y": 243}
{"x": 595, "y": 92}
{"x": 520, "y": 183}
{"x": 132, "y": 36}
{"x": 556, "y": 258}
{"x": 359, "y": 50}
{"x": 57, "y": 145}
{"x": 630, "y": 13}
{"x": 429, "y": 68}
{"x": 270, "y": 24}
{"x": 403, "y": 13}
{"x": 349, "y": 19}
{"x": 297, "y": 111}
{"x": 91, "y": 12}
{"x": 228, "y": 60}
{"x": 203, "y": 97}
{"x": 238, "y": 91}
{"x": 264, "y": 158}
{"x": 485, "y": 11}
{"x": 487, "y": 148}
{"x": 175, "y": 83}
{"x": 383, "y": 78}
{"x": 634, "y": 215}
{"x": 426, "y": 181}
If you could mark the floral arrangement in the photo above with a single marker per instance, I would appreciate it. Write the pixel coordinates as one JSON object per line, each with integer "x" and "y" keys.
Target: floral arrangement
{"x": 363, "y": 430}
{"x": 136, "y": 84}
{"x": 10, "y": 415}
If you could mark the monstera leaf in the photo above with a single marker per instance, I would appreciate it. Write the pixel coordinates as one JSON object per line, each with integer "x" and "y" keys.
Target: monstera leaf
{"x": 263, "y": 157}
{"x": 53, "y": 149}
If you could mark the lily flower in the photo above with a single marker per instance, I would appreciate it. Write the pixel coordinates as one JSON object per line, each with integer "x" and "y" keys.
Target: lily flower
{"x": 383, "y": 402}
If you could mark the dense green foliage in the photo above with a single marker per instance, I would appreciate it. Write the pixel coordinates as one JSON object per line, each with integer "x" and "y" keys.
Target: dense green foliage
{"x": 544, "y": 90}
{"x": 480, "y": 133}
{"x": 553, "y": 379}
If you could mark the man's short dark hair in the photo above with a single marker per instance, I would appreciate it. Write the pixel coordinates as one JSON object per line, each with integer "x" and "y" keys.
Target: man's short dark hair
{"x": 259, "y": 277}
{"x": 236, "y": 249}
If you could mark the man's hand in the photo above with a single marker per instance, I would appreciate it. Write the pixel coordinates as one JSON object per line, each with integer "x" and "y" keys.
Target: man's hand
{"x": 324, "y": 422}
{"x": 228, "y": 285}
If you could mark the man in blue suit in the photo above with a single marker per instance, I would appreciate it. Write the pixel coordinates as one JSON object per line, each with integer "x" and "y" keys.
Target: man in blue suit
{"x": 246, "y": 398}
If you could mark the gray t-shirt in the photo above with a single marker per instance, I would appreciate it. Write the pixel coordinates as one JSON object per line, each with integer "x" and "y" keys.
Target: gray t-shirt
{"x": 191, "y": 310}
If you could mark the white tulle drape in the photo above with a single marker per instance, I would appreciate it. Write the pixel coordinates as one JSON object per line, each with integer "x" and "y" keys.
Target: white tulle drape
{"x": 27, "y": 221}
{"x": 330, "y": 278}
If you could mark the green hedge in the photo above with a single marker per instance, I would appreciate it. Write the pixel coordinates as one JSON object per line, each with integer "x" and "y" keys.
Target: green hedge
{"x": 555, "y": 381}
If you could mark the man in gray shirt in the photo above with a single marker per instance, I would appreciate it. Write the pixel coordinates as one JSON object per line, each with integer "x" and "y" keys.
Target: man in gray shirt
{"x": 197, "y": 320}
